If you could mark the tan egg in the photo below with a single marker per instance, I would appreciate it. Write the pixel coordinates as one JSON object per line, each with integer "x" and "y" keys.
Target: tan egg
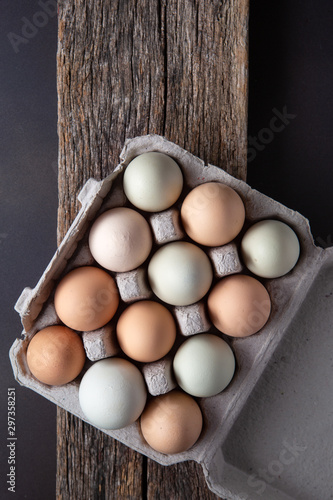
{"x": 146, "y": 331}
{"x": 213, "y": 214}
{"x": 56, "y": 355}
{"x": 171, "y": 423}
{"x": 239, "y": 305}
{"x": 86, "y": 298}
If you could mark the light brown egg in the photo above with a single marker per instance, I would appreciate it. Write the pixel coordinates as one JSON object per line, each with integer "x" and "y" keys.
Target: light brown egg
{"x": 213, "y": 214}
{"x": 239, "y": 305}
{"x": 56, "y": 355}
{"x": 86, "y": 298}
{"x": 146, "y": 331}
{"x": 171, "y": 423}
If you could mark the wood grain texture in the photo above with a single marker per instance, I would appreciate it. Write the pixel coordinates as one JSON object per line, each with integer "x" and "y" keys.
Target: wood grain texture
{"x": 176, "y": 68}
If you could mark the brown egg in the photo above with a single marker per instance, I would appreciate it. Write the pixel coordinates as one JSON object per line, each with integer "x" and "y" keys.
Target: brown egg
{"x": 172, "y": 422}
{"x": 146, "y": 331}
{"x": 86, "y": 298}
{"x": 56, "y": 355}
{"x": 212, "y": 214}
{"x": 239, "y": 305}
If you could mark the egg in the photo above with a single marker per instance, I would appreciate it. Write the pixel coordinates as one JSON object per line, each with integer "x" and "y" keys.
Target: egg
{"x": 120, "y": 239}
{"x": 180, "y": 273}
{"x": 86, "y": 298}
{"x": 212, "y": 214}
{"x": 153, "y": 181}
{"x": 146, "y": 331}
{"x": 171, "y": 423}
{"x": 270, "y": 249}
{"x": 204, "y": 365}
{"x": 112, "y": 393}
{"x": 55, "y": 355}
{"x": 239, "y": 305}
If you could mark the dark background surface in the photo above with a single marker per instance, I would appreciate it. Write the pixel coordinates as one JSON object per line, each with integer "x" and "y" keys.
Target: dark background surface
{"x": 291, "y": 73}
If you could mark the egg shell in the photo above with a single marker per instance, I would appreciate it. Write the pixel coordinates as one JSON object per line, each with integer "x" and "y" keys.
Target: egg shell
{"x": 86, "y": 298}
{"x": 171, "y": 423}
{"x": 270, "y": 249}
{"x": 146, "y": 331}
{"x": 153, "y": 181}
{"x": 212, "y": 214}
{"x": 55, "y": 355}
{"x": 120, "y": 239}
{"x": 239, "y": 305}
{"x": 204, "y": 365}
{"x": 180, "y": 273}
{"x": 112, "y": 393}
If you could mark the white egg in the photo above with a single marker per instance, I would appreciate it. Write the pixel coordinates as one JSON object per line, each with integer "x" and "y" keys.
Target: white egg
{"x": 120, "y": 239}
{"x": 204, "y": 365}
{"x": 153, "y": 181}
{"x": 180, "y": 273}
{"x": 270, "y": 249}
{"x": 112, "y": 393}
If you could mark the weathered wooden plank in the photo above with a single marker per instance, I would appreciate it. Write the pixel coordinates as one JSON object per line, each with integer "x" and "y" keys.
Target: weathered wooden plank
{"x": 206, "y": 85}
{"x": 126, "y": 68}
{"x": 92, "y": 465}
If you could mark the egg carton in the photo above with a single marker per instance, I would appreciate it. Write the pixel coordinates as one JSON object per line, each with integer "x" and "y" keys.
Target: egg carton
{"x": 220, "y": 450}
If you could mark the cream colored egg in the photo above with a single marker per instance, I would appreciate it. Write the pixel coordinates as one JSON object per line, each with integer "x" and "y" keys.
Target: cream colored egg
{"x": 270, "y": 249}
{"x": 153, "y": 181}
{"x": 204, "y": 365}
{"x": 180, "y": 273}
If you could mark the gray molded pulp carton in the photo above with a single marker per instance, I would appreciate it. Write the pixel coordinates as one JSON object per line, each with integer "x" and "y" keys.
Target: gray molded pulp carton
{"x": 268, "y": 435}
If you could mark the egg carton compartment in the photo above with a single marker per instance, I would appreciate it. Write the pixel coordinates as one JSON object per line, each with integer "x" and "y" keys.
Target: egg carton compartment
{"x": 159, "y": 376}
{"x": 225, "y": 260}
{"x": 253, "y": 354}
{"x": 101, "y": 343}
{"x": 192, "y": 319}
{"x": 132, "y": 285}
{"x": 166, "y": 226}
